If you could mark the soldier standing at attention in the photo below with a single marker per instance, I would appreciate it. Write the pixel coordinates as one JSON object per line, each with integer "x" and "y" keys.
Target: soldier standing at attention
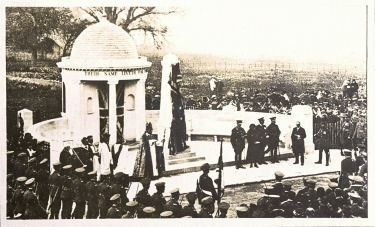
{"x": 273, "y": 134}
{"x": 143, "y": 197}
{"x": 237, "y": 139}
{"x": 322, "y": 143}
{"x": 131, "y": 208}
{"x": 189, "y": 210}
{"x": 173, "y": 203}
{"x": 298, "y": 143}
{"x": 223, "y": 210}
{"x": 55, "y": 184}
{"x": 207, "y": 209}
{"x": 158, "y": 199}
{"x": 103, "y": 192}
{"x": 260, "y": 140}
{"x": 33, "y": 209}
{"x": 114, "y": 211}
{"x": 67, "y": 193}
{"x": 42, "y": 179}
{"x": 80, "y": 193}
{"x": 92, "y": 196}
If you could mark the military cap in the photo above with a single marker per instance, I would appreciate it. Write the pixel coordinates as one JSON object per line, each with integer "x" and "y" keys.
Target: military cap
{"x": 43, "y": 161}
{"x": 145, "y": 181}
{"x": 205, "y": 166}
{"x": 287, "y": 185}
{"x": 31, "y": 160}
{"x": 354, "y": 195}
{"x": 363, "y": 154}
{"x": 79, "y": 170}
{"x": 174, "y": 191}
{"x": 207, "y": 200}
{"x": 106, "y": 173}
{"x": 262, "y": 118}
{"x": 272, "y": 118}
{"x": 347, "y": 152}
{"x": 310, "y": 211}
{"x": 191, "y": 196}
{"x": 334, "y": 178}
{"x": 9, "y": 175}
{"x": 115, "y": 197}
{"x": 66, "y": 167}
{"x": 159, "y": 184}
{"x": 21, "y": 179}
{"x": 10, "y": 152}
{"x": 242, "y": 209}
{"x": 272, "y": 197}
{"x": 166, "y": 214}
{"x": 119, "y": 175}
{"x": 224, "y": 206}
{"x": 131, "y": 203}
{"x": 56, "y": 164}
{"x": 187, "y": 216}
{"x": 358, "y": 179}
{"x": 279, "y": 175}
{"x": 311, "y": 182}
{"x": 22, "y": 154}
{"x": 239, "y": 121}
{"x": 92, "y": 172}
{"x": 17, "y": 216}
{"x": 268, "y": 189}
{"x": 149, "y": 210}
{"x": 356, "y": 186}
{"x": 30, "y": 181}
{"x": 277, "y": 212}
{"x": 333, "y": 185}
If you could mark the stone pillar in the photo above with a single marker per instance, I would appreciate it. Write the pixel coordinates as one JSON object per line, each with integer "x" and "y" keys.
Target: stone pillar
{"x": 140, "y": 106}
{"x": 112, "y": 116}
{"x": 73, "y": 107}
{"x": 27, "y": 116}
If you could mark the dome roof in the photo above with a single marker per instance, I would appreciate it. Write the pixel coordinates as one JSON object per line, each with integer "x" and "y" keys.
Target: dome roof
{"x": 103, "y": 41}
{"x": 103, "y": 45}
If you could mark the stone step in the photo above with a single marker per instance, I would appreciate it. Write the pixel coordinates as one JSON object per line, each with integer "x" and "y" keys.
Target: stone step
{"x": 182, "y": 155}
{"x": 185, "y": 160}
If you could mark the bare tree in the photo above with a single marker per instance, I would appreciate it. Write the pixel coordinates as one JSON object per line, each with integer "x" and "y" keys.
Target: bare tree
{"x": 136, "y": 19}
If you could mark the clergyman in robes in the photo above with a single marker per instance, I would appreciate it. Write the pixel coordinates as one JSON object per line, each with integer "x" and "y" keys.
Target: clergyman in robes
{"x": 146, "y": 152}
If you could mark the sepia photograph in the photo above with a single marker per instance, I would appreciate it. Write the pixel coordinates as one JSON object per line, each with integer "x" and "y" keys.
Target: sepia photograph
{"x": 206, "y": 110}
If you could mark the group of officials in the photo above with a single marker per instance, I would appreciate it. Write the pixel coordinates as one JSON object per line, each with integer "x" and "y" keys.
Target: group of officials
{"x": 259, "y": 137}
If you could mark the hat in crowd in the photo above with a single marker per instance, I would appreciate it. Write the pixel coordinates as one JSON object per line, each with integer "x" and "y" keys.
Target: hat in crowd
{"x": 287, "y": 185}
{"x": 205, "y": 166}
{"x": 10, "y": 152}
{"x": 272, "y": 118}
{"x": 66, "y": 167}
{"x": 56, "y": 164}
{"x": 334, "y": 179}
{"x": 30, "y": 181}
{"x": 174, "y": 191}
{"x": 207, "y": 200}
{"x": 279, "y": 175}
{"x": 224, "y": 206}
{"x": 21, "y": 179}
{"x": 118, "y": 175}
{"x": 92, "y": 173}
{"x": 333, "y": 185}
{"x": 277, "y": 212}
{"x": 268, "y": 189}
{"x": 160, "y": 184}
{"x": 187, "y": 216}
{"x": 166, "y": 214}
{"x": 131, "y": 203}
{"x": 239, "y": 121}
{"x": 260, "y": 119}
{"x": 31, "y": 160}
{"x": 79, "y": 170}
{"x": 354, "y": 195}
{"x": 242, "y": 209}
{"x": 145, "y": 181}
{"x": 347, "y": 152}
{"x": 191, "y": 196}
{"x": 115, "y": 197}
{"x": 43, "y": 161}
{"x": 149, "y": 210}
{"x": 310, "y": 211}
{"x": 363, "y": 154}
{"x": 311, "y": 182}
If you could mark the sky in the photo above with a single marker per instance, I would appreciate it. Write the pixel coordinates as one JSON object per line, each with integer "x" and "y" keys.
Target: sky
{"x": 312, "y": 31}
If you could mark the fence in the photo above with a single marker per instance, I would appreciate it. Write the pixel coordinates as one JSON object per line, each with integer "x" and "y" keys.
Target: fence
{"x": 333, "y": 129}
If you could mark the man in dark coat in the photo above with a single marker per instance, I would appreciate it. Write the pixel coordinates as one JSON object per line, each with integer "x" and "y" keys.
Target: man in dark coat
{"x": 298, "y": 143}
{"x": 251, "y": 152}
{"x": 55, "y": 184}
{"x": 260, "y": 141}
{"x": 146, "y": 149}
{"x": 143, "y": 197}
{"x": 273, "y": 134}
{"x": 67, "y": 192}
{"x": 189, "y": 210}
{"x": 92, "y": 196}
{"x": 80, "y": 193}
{"x": 158, "y": 199}
{"x": 322, "y": 143}
{"x": 205, "y": 185}
{"x": 237, "y": 140}
{"x": 173, "y": 203}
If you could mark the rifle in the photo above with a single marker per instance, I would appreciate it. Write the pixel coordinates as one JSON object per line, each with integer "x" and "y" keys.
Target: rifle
{"x": 83, "y": 165}
{"x": 220, "y": 166}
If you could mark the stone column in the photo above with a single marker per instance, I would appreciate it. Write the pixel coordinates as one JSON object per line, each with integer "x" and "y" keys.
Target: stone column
{"x": 27, "y": 116}
{"x": 140, "y": 106}
{"x": 112, "y": 116}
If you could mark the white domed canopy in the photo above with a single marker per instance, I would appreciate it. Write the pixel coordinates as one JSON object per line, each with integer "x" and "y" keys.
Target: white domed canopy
{"x": 103, "y": 45}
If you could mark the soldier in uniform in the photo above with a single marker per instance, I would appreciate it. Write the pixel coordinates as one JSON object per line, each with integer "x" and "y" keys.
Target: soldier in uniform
{"x": 273, "y": 134}
{"x": 173, "y": 203}
{"x": 260, "y": 141}
{"x": 80, "y": 193}
{"x": 67, "y": 192}
{"x": 119, "y": 187}
{"x": 242, "y": 211}
{"x": 30, "y": 171}
{"x": 148, "y": 212}
{"x": 298, "y": 143}
{"x": 322, "y": 143}
{"x": 143, "y": 197}
{"x": 103, "y": 194}
{"x": 158, "y": 199}
{"x": 114, "y": 210}
{"x": 205, "y": 185}
{"x": 20, "y": 165}
{"x": 207, "y": 208}
{"x": 131, "y": 208}
{"x": 344, "y": 135}
{"x": 92, "y": 196}
{"x": 189, "y": 210}
{"x": 33, "y": 209}
{"x": 223, "y": 210}
{"x": 42, "y": 179}
{"x": 55, "y": 184}
{"x": 19, "y": 203}
{"x": 348, "y": 165}
{"x": 237, "y": 140}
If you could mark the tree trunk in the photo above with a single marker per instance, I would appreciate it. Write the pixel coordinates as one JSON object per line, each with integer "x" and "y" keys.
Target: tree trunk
{"x": 34, "y": 55}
